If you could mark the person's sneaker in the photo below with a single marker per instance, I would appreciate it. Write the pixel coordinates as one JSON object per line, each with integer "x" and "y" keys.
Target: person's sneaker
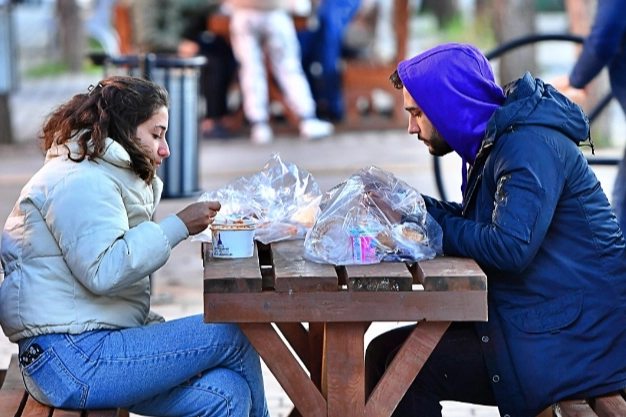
{"x": 261, "y": 134}
{"x": 315, "y": 129}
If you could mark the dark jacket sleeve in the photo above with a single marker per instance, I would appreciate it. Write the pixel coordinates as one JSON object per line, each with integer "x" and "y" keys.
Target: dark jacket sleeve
{"x": 511, "y": 232}
{"x": 602, "y": 43}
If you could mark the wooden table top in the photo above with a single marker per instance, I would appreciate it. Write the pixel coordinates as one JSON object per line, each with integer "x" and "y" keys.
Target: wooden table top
{"x": 278, "y": 284}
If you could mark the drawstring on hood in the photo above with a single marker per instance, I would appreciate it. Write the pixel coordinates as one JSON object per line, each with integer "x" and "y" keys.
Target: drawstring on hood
{"x": 455, "y": 87}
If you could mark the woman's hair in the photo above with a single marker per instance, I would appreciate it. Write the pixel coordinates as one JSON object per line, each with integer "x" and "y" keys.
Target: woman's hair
{"x": 114, "y": 108}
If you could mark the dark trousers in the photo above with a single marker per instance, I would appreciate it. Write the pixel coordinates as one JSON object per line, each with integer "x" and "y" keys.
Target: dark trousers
{"x": 217, "y": 75}
{"x": 455, "y": 371}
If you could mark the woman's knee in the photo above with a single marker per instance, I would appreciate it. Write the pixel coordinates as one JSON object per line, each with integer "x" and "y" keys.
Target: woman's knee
{"x": 222, "y": 392}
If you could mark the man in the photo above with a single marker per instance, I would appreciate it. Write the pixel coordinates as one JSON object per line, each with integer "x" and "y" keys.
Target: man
{"x": 535, "y": 218}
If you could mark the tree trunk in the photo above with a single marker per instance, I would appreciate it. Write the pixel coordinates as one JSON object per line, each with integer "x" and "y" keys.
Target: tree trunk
{"x": 71, "y": 34}
{"x": 8, "y": 76}
{"x": 6, "y": 132}
{"x": 484, "y": 12}
{"x": 513, "y": 19}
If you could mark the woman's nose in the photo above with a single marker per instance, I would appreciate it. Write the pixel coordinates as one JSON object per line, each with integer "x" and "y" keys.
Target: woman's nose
{"x": 164, "y": 150}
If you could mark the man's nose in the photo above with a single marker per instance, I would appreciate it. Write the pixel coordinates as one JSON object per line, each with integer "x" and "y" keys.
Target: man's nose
{"x": 413, "y": 127}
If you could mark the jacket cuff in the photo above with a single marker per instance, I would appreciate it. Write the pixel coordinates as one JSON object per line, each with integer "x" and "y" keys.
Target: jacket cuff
{"x": 174, "y": 229}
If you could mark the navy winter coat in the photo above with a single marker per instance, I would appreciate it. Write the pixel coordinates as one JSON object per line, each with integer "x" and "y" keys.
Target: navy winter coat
{"x": 536, "y": 220}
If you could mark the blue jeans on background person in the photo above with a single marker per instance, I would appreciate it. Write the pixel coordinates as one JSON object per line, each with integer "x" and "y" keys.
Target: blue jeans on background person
{"x": 454, "y": 371}
{"x": 323, "y": 47}
{"x": 182, "y": 367}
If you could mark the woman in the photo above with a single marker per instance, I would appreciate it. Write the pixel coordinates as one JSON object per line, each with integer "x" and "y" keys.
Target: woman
{"x": 77, "y": 250}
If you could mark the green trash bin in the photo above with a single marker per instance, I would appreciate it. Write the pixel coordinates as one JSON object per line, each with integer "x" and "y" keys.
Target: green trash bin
{"x": 180, "y": 76}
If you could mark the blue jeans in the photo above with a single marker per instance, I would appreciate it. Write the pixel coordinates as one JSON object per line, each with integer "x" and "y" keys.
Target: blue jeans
{"x": 324, "y": 46}
{"x": 182, "y": 367}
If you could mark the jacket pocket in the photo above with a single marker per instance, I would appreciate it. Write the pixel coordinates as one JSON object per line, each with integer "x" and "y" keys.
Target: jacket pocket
{"x": 549, "y": 316}
{"x": 48, "y": 381}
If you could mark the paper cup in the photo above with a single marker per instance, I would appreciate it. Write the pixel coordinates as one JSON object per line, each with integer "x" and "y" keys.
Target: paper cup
{"x": 233, "y": 240}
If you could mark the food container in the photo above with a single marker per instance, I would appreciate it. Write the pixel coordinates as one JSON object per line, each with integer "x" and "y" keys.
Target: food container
{"x": 363, "y": 245}
{"x": 233, "y": 240}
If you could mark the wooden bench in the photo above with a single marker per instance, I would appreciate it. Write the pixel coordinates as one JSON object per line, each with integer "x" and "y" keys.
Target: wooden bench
{"x": 15, "y": 401}
{"x": 611, "y": 405}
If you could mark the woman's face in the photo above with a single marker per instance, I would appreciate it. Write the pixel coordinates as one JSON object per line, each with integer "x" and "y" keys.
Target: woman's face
{"x": 151, "y": 134}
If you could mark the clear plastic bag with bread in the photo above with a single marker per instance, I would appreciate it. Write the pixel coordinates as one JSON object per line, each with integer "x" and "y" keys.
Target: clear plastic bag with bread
{"x": 281, "y": 198}
{"x": 372, "y": 217}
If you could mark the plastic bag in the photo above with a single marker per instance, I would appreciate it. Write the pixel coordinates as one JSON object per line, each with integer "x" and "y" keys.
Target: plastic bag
{"x": 372, "y": 217}
{"x": 281, "y": 198}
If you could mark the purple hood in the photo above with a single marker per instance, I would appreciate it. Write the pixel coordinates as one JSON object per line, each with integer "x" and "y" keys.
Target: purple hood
{"x": 455, "y": 88}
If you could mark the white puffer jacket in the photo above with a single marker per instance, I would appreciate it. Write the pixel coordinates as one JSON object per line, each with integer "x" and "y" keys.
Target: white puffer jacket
{"x": 79, "y": 245}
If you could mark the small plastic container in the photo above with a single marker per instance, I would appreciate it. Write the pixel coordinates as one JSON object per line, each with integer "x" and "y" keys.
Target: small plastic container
{"x": 233, "y": 240}
{"x": 363, "y": 246}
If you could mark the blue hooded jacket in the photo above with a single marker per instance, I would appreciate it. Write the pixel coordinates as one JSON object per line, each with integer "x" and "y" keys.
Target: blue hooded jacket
{"x": 536, "y": 219}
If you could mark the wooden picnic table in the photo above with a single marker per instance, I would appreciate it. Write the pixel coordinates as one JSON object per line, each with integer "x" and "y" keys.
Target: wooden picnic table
{"x": 277, "y": 291}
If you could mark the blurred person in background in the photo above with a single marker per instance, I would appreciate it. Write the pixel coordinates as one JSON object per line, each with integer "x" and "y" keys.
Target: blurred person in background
{"x": 322, "y": 48}
{"x": 605, "y": 47}
{"x": 179, "y": 27}
{"x": 260, "y": 29}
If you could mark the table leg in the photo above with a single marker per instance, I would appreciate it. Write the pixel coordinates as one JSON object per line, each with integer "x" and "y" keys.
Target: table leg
{"x": 286, "y": 368}
{"x": 343, "y": 381}
{"x": 316, "y": 349}
{"x": 404, "y": 368}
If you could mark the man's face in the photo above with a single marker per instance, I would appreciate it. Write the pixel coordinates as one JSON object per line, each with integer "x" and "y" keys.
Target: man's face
{"x": 422, "y": 127}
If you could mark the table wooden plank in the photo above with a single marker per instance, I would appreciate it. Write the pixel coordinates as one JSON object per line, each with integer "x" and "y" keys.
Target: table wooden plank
{"x": 445, "y": 273}
{"x": 345, "y": 372}
{"x": 316, "y": 348}
{"x": 404, "y": 368}
{"x": 288, "y": 372}
{"x": 385, "y": 276}
{"x": 231, "y": 275}
{"x": 610, "y": 405}
{"x": 573, "y": 408}
{"x": 269, "y": 306}
{"x": 294, "y": 273}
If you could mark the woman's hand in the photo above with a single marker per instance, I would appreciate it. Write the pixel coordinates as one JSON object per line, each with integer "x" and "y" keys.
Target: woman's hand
{"x": 198, "y": 216}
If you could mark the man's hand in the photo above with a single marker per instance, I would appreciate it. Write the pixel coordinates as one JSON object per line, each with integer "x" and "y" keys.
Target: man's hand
{"x": 198, "y": 216}
{"x": 562, "y": 84}
{"x": 374, "y": 197}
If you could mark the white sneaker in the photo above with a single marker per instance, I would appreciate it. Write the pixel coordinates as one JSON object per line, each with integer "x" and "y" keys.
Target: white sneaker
{"x": 315, "y": 129}
{"x": 261, "y": 134}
